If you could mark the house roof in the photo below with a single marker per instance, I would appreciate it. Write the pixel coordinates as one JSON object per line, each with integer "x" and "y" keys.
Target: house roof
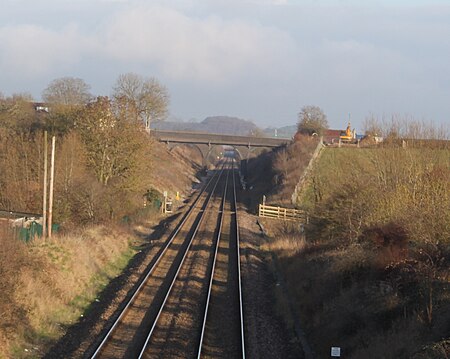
{"x": 332, "y": 133}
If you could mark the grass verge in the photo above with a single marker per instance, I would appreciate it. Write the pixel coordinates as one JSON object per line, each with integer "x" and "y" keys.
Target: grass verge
{"x": 56, "y": 283}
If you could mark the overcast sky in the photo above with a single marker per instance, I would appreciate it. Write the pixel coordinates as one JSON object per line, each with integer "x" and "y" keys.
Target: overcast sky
{"x": 260, "y": 60}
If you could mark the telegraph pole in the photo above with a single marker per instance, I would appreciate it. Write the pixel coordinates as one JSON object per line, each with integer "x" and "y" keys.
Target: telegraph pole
{"x": 44, "y": 202}
{"x": 50, "y": 200}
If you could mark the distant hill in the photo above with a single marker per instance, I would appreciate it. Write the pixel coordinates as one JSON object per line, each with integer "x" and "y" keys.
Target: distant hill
{"x": 226, "y": 125}
{"x": 230, "y": 125}
{"x": 216, "y": 124}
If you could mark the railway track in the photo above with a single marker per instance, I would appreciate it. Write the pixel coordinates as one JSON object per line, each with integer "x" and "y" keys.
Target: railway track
{"x": 223, "y": 327}
{"x": 189, "y": 304}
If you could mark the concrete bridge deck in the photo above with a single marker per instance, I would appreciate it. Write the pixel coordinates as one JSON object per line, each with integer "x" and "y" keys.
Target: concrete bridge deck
{"x": 217, "y": 139}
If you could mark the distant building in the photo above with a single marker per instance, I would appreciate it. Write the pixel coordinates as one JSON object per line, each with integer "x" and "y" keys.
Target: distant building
{"x": 40, "y": 107}
{"x": 331, "y": 136}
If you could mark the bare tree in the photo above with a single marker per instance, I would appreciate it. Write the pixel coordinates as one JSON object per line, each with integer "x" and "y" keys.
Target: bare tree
{"x": 22, "y": 96}
{"x": 141, "y": 97}
{"x": 69, "y": 91}
{"x": 112, "y": 144}
{"x": 16, "y": 111}
{"x": 372, "y": 126}
{"x": 312, "y": 119}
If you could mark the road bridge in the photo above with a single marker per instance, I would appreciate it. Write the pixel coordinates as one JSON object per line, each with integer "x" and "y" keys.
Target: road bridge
{"x": 245, "y": 146}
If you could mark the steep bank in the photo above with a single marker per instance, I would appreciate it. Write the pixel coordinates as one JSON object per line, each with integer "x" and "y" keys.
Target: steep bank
{"x": 49, "y": 285}
{"x": 371, "y": 273}
{"x": 275, "y": 174}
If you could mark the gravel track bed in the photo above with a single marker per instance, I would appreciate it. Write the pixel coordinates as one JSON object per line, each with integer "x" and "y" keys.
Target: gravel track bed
{"x": 266, "y": 333}
{"x": 130, "y": 334}
{"x": 175, "y": 334}
{"x": 135, "y": 321}
{"x": 222, "y": 333}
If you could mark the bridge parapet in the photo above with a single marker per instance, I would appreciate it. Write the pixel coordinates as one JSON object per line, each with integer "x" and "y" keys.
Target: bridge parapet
{"x": 217, "y": 139}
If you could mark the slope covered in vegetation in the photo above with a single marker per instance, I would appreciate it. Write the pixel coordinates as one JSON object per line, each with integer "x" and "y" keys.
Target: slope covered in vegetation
{"x": 105, "y": 166}
{"x": 371, "y": 273}
{"x": 275, "y": 174}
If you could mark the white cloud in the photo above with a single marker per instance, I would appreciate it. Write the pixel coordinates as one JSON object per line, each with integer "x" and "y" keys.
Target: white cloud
{"x": 30, "y": 50}
{"x": 209, "y": 49}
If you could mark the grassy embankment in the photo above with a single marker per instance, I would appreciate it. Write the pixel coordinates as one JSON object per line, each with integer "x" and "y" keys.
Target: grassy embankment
{"x": 47, "y": 285}
{"x": 372, "y": 275}
{"x": 106, "y": 165}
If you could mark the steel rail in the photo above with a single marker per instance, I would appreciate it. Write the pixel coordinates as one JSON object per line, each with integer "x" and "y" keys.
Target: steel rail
{"x": 241, "y": 309}
{"x": 241, "y": 317}
{"x": 144, "y": 348}
{"x": 213, "y": 269}
{"x": 160, "y": 256}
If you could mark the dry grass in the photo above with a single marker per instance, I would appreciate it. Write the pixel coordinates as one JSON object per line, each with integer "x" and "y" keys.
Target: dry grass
{"x": 372, "y": 274}
{"x": 56, "y": 282}
{"x": 285, "y": 245}
{"x": 12, "y": 257}
{"x": 345, "y": 300}
{"x": 285, "y": 238}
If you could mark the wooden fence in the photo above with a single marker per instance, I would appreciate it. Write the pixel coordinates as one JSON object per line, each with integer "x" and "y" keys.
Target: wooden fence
{"x": 288, "y": 214}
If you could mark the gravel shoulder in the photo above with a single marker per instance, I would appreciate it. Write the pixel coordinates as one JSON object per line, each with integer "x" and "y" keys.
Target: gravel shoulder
{"x": 267, "y": 335}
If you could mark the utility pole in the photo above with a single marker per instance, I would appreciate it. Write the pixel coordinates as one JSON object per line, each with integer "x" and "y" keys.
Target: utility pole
{"x": 44, "y": 202}
{"x": 50, "y": 200}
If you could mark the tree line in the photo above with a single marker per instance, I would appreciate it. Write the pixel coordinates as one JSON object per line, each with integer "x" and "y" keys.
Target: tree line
{"x": 103, "y": 149}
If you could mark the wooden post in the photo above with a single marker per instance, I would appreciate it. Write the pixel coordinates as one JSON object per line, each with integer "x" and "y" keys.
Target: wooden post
{"x": 44, "y": 200}
{"x": 50, "y": 200}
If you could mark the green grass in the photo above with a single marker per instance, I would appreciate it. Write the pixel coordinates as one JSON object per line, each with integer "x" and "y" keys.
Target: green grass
{"x": 51, "y": 328}
{"x": 81, "y": 304}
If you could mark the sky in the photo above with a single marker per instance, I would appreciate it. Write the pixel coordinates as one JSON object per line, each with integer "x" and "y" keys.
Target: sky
{"x": 260, "y": 60}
